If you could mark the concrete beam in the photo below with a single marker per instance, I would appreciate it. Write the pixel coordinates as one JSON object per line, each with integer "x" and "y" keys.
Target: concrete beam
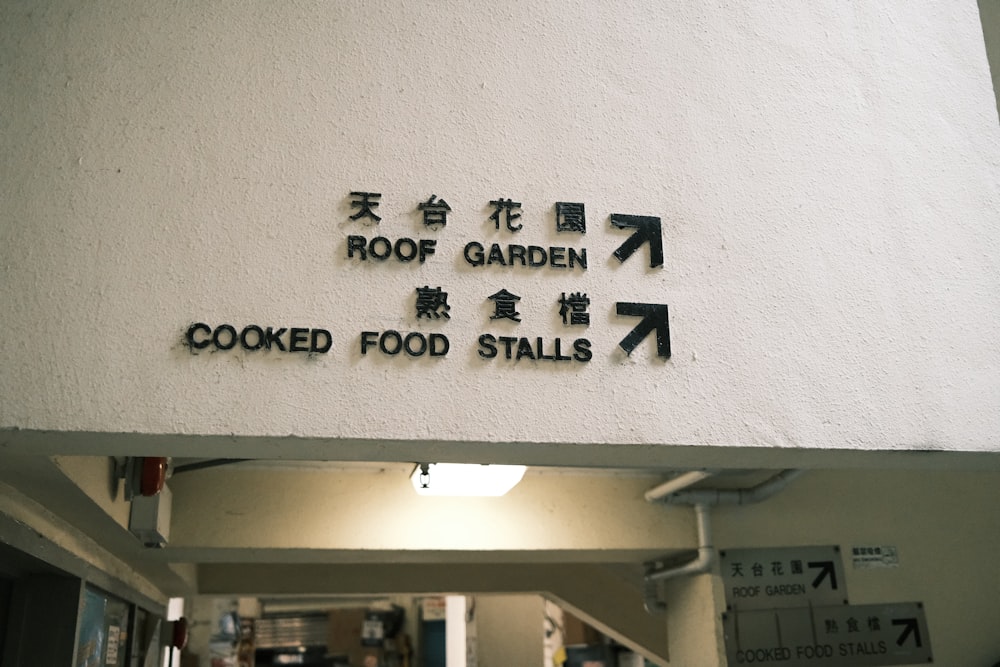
{"x": 589, "y": 455}
{"x": 362, "y": 513}
{"x": 80, "y": 515}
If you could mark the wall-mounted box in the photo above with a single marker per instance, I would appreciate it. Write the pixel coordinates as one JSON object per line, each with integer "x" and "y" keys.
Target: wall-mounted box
{"x": 149, "y": 519}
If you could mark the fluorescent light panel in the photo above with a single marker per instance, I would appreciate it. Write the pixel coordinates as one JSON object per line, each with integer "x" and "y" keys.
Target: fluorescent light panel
{"x": 468, "y": 479}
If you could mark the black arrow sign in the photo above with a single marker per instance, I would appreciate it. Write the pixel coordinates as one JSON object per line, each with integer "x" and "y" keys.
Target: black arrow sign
{"x": 647, "y": 229}
{"x": 826, "y": 570}
{"x": 911, "y": 628}
{"x": 654, "y": 316}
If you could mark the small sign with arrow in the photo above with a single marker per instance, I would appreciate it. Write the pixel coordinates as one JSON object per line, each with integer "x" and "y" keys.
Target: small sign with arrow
{"x": 867, "y": 635}
{"x": 782, "y": 577}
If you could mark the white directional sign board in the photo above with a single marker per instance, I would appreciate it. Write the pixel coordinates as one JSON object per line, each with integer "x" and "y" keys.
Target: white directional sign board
{"x": 841, "y": 636}
{"x": 783, "y": 577}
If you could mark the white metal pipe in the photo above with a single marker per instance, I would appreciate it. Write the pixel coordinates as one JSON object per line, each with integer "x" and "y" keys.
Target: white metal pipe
{"x": 674, "y": 491}
{"x": 678, "y": 483}
{"x": 755, "y": 494}
{"x": 702, "y": 562}
{"x": 651, "y": 597}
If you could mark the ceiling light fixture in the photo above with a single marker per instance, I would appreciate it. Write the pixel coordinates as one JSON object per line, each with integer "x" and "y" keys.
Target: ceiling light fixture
{"x": 465, "y": 479}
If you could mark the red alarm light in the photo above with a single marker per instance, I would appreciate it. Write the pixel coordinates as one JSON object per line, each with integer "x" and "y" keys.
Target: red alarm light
{"x": 154, "y": 473}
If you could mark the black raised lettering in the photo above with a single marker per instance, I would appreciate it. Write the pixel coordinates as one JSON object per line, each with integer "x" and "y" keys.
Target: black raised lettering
{"x": 487, "y": 346}
{"x": 476, "y": 258}
{"x": 536, "y": 256}
{"x": 217, "y": 339}
{"x": 440, "y": 345}
{"x": 516, "y": 252}
{"x": 580, "y": 258}
{"x": 507, "y": 341}
{"x": 540, "y": 345}
{"x": 496, "y": 256}
{"x": 198, "y": 344}
{"x": 559, "y": 355}
{"x": 582, "y": 350}
{"x": 417, "y": 336}
{"x": 368, "y": 339}
{"x": 256, "y": 331}
{"x": 426, "y": 248}
{"x": 356, "y": 243}
{"x": 297, "y": 340}
{"x": 272, "y": 337}
{"x": 524, "y": 349}
{"x": 412, "y": 249}
{"x": 321, "y": 348}
{"x": 386, "y": 248}
{"x": 390, "y": 334}
{"x": 557, "y": 257}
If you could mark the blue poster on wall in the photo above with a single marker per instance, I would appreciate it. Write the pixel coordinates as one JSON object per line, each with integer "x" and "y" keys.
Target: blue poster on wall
{"x": 103, "y": 630}
{"x": 90, "y": 648}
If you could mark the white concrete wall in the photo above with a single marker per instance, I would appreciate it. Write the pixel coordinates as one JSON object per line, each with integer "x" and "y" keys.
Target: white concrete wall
{"x": 826, "y": 176}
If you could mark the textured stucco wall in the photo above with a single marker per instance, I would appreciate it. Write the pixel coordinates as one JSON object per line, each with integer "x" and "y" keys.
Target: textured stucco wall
{"x": 826, "y": 176}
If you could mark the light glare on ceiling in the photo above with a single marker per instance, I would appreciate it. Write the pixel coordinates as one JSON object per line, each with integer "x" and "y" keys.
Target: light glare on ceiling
{"x": 465, "y": 479}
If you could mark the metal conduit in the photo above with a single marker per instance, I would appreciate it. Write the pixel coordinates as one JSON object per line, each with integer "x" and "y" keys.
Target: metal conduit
{"x": 676, "y": 484}
{"x": 754, "y": 494}
{"x": 674, "y": 492}
{"x": 702, "y": 562}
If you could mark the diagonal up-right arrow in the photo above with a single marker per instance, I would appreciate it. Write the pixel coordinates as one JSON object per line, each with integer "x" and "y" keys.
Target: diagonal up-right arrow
{"x": 647, "y": 229}
{"x": 654, "y": 316}
{"x": 910, "y": 627}
{"x": 826, "y": 569}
